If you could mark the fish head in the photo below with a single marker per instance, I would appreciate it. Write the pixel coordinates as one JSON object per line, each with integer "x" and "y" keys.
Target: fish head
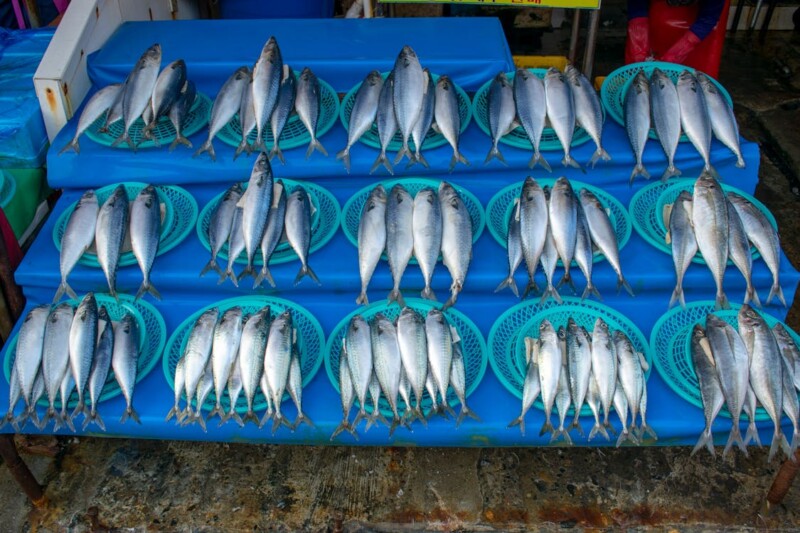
{"x": 687, "y": 79}
{"x": 406, "y": 56}
{"x": 502, "y": 79}
{"x": 357, "y": 324}
{"x": 546, "y": 328}
{"x": 640, "y": 83}
{"x": 102, "y": 313}
{"x": 435, "y": 315}
{"x": 88, "y": 197}
{"x": 306, "y": 74}
{"x": 409, "y": 314}
{"x": 373, "y": 78}
{"x": 572, "y": 326}
{"x": 600, "y": 327}
{"x": 448, "y": 194}
{"x": 209, "y": 316}
{"x": 151, "y": 55}
{"x": 444, "y": 83}
{"x": 261, "y": 166}
{"x": 562, "y": 333}
{"x": 698, "y": 333}
{"x": 399, "y": 194}
{"x": 713, "y": 321}
{"x": 426, "y": 194}
{"x": 684, "y": 196}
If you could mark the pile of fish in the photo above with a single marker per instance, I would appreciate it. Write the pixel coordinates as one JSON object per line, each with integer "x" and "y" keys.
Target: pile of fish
{"x": 548, "y": 225}
{"x": 408, "y": 101}
{"x": 397, "y": 359}
{"x": 147, "y": 94}
{"x": 693, "y": 105}
{"x": 111, "y": 229}
{"x": 564, "y": 99}
{"x": 266, "y": 96}
{"x": 568, "y": 367}
{"x": 61, "y": 350}
{"x": 721, "y": 226}
{"x": 742, "y": 369}
{"x": 236, "y": 352}
{"x": 423, "y": 226}
{"x": 256, "y": 218}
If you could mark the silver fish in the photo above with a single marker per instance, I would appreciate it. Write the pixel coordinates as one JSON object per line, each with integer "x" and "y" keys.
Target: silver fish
{"x": 386, "y": 122}
{"x": 294, "y": 386}
{"x": 447, "y": 119}
{"x": 112, "y": 224}
{"x": 427, "y": 235}
{"x": 531, "y": 104}
{"x": 563, "y": 401}
{"x": 147, "y": 118}
{"x": 309, "y": 100}
{"x": 256, "y": 202}
{"x": 458, "y": 379}
{"x": 98, "y": 104}
{"x": 219, "y": 227}
{"x": 404, "y": 390}
{"x": 408, "y": 95}
{"x": 78, "y": 237}
{"x": 683, "y": 243}
{"x": 430, "y": 387}
{"x": 67, "y": 386}
{"x": 739, "y": 252}
{"x": 531, "y": 387}
{"x": 588, "y": 111}
{"x": 514, "y": 250}
{"x": 252, "y": 348}
{"x": 413, "y": 344}
{"x": 55, "y": 359}
{"x": 375, "y": 396}
{"x": 204, "y": 388}
{"x": 750, "y": 406}
{"x": 637, "y": 120}
{"x": 224, "y": 349}
{"x": 546, "y": 351}
{"x": 247, "y": 121}
{"x": 38, "y": 392}
{"x": 593, "y": 401}
{"x": 196, "y": 354}
{"x": 584, "y": 253}
{"x": 235, "y": 246}
{"x": 788, "y": 349}
{"x": 666, "y": 118}
{"x": 358, "y": 346}
{"x": 425, "y": 119}
{"x": 644, "y": 428}
{"x": 138, "y": 89}
{"x": 145, "y": 235}
{"x": 723, "y": 121}
{"x": 179, "y": 390}
{"x": 179, "y": 112}
{"x": 710, "y": 222}
{"x": 561, "y": 112}
{"x": 272, "y": 232}
{"x": 82, "y": 345}
{"x": 440, "y": 354}
{"x": 114, "y": 113}
{"x": 790, "y": 403}
{"x": 347, "y": 394}
{"x": 456, "y": 239}
{"x": 563, "y": 220}
{"x": 399, "y": 237}
{"x": 604, "y": 366}
{"x": 579, "y": 363}
{"x": 710, "y": 388}
{"x": 124, "y": 361}
{"x": 28, "y": 359}
{"x": 549, "y": 260}
{"x": 277, "y": 361}
{"x": 603, "y": 234}
{"x": 387, "y": 363}
{"x": 226, "y": 104}
{"x": 166, "y": 91}
{"x": 298, "y": 231}
{"x": 262, "y": 384}
{"x": 363, "y": 114}
{"x": 287, "y": 94}
{"x": 534, "y": 229}
{"x": 14, "y": 396}
{"x": 630, "y": 377}
{"x": 235, "y": 386}
{"x": 695, "y": 117}
{"x": 267, "y": 74}
{"x": 502, "y": 113}
{"x": 100, "y": 367}
{"x": 621, "y": 406}
{"x": 371, "y": 238}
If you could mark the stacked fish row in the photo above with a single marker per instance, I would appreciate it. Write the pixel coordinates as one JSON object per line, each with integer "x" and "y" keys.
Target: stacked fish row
{"x": 267, "y": 95}
{"x": 424, "y": 226}
{"x": 61, "y": 350}
{"x": 235, "y": 353}
{"x": 548, "y": 225}
{"x": 565, "y": 99}
{"x": 695, "y": 105}
{"x": 721, "y": 226}
{"x": 412, "y": 356}
{"x": 744, "y": 368}
{"x": 108, "y": 229}
{"x": 410, "y": 101}
{"x": 568, "y": 367}
{"x": 145, "y": 94}
{"x": 256, "y": 219}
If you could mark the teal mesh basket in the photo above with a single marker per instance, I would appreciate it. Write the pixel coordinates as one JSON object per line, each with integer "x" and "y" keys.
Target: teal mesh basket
{"x": 324, "y": 223}
{"x": 432, "y": 139}
{"x": 164, "y": 132}
{"x": 507, "y": 336}
{"x": 351, "y": 213}
{"x": 294, "y": 133}
{"x": 180, "y": 215}
{"x": 501, "y": 208}
{"x": 310, "y": 341}
{"x": 152, "y": 336}
{"x": 670, "y": 342}
{"x": 647, "y": 208}
{"x": 518, "y": 138}
{"x": 615, "y": 86}
{"x": 472, "y": 345}
{"x": 8, "y": 187}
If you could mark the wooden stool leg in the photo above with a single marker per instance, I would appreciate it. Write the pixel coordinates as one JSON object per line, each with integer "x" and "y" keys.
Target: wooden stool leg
{"x": 19, "y": 470}
{"x": 13, "y": 294}
{"x": 783, "y": 480}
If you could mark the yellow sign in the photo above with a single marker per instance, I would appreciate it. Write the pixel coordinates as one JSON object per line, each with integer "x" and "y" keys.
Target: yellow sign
{"x": 568, "y": 4}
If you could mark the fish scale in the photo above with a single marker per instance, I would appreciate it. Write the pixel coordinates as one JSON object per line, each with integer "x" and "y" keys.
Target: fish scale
{"x": 165, "y": 93}
{"x": 255, "y": 204}
{"x": 695, "y": 117}
{"x": 413, "y": 345}
{"x": 386, "y": 122}
{"x": 710, "y": 388}
{"x": 252, "y": 348}
{"x": 447, "y": 118}
{"x": 588, "y": 110}
{"x": 298, "y": 230}
{"x": 440, "y": 354}
{"x": 636, "y": 106}
{"x": 196, "y": 353}
{"x": 563, "y": 223}
{"x": 502, "y": 113}
{"x": 220, "y": 224}
{"x": 267, "y": 74}
{"x": 55, "y": 359}
{"x": 387, "y": 362}
{"x": 100, "y": 367}
{"x": 82, "y": 344}
{"x": 682, "y": 243}
{"x": 423, "y": 123}
{"x": 28, "y": 357}
{"x": 514, "y": 250}
{"x": 179, "y": 112}
{"x": 272, "y": 233}
{"x": 224, "y": 349}
{"x": 723, "y": 120}
{"x": 561, "y": 112}
{"x": 365, "y": 107}
{"x": 534, "y": 229}
{"x": 358, "y": 347}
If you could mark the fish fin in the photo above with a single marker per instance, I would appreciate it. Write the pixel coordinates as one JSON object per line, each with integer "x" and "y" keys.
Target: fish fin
{"x": 531, "y": 287}
{"x": 207, "y": 147}
{"x": 344, "y": 155}
{"x": 752, "y": 435}
{"x": 49, "y": 415}
{"x": 404, "y": 151}
{"x": 548, "y": 292}
{"x": 268, "y": 414}
{"x": 591, "y": 290}
{"x": 428, "y": 294}
{"x": 735, "y": 438}
{"x": 561, "y": 433}
{"x": 396, "y": 421}
{"x": 569, "y": 161}
{"x": 130, "y": 412}
{"x": 73, "y": 145}
{"x": 457, "y": 158}
{"x": 576, "y": 424}
{"x": 677, "y": 296}
{"x": 547, "y": 427}
{"x": 739, "y": 161}
{"x": 752, "y": 296}
{"x": 94, "y": 417}
{"x": 211, "y": 265}
{"x": 519, "y": 421}
{"x": 711, "y": 171}
{"x": 68, "y": 421}
{"x": 495, "y": 152}
{"x": 124, "y": 138}
{"x": 567, "y": 278}
{"x": 64, "y": 287}
{"x": 445, "y": 409}
{"x": 670, "y": 173}
{"x": 280, "y": 420}
{"x": 623, "y": 283}
{"x": 627, "y": 435}
{"x": 721, "y": 302}
{"x": 265, "y": 274}
{"x": 217, "y": 410}
{"x": 229, "y": 274}
{"x": 80, "y": 408}
{"x": 396, "y": 296}
{"x": 250, "y": 415}
{"x": 777, "y": 442}
{"x": 598, "y": 428}
{"x": 509, "y": 282}
{"x": 466, "y": 412}
{"x": 538, "y": 158}
{"x": 236, "y": 418}
{"x": 419, "y": 415}
{"x": 599, "y": 154}
{"x": 147, "y": 287}
{"x": 344, "y": 426}
{"x": 180, "y": 139}
{"x": 774, "y": 291}
{"x": 382, "y": 159}
{"x": 315, "y": 145}
{"x": 361, "y": 415}
{"x": 610, "y": 428}
{"x": 305, "y": 270}
{"x": 174, "y": 412}
{"x": 639, "y": 170}
{"x": 302, "y": 418}
{"x": 418, "y": 158}
{"x": 362, "y": 298}
{"x": 706, "y": 440}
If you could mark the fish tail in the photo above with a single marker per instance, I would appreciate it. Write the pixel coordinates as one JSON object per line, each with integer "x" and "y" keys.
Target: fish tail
{"x": 217, "y": 410}
{"x": 72, "y": 145}
{"x": 268, "y": 414}
{"x": 677, "y": 296}
{"x": 609, "y": 427}
{"x": 147, "y": 287}
{"x": 362, "y": 415}
{"x": 302, "y": 418}
{"x": 591, "y": 290}
{"x": 531, "y": 287}
{"x": 248, "y": 271}
{"x": 362, "y": 298}
{"x": 598, "y": 428}
{"x": 80, "y": 408}
{"x": 305, "y": 270}
{"x": 265, "y": 274}
{"x": 229, "y": 273}
{"x": 279, "y": 420}
{"x": 68, "y": 421}
{"x": 734, "y": 438}
{"x": 509, "y": 282}
{"x": 639, "y": 170}
{"x": 457, "y": 158}
{"x": 711, "y": 171}
{"x": 382, "y": 160}
{"x": 244, "y": 146}
{"x": 344, "y": 155}
{"x": 315, "y": 145}
{"x": 207, "y": 147}
{"x": 428, "y": 294}
{"x": 646, "y": 430}
{"x": 396, "y": 296}
{"x": 94, "y": 416}
{"x": 599, "y": 154}
{"x": 519, "y": 421}
{"x": 376, "y": 417}
{"x": 550, "y": 291}
{"x": 131, "y": 413}
{"x": 739, "y": 161}
{"x": 627, "y": 435}
{"x": 393, "y": 426}
{"x": 547, "y": 427}
{"x": 776, "y": 290}
{"x": 212, "y": 265}
{"x": 466, "y": 412}
{"x": 706, "y": 440}
{"x": 752, "y": 296}
{"x": 671, "y": 171}
{"x": 250, "y": 415}
{"x": 539, "y": 159}
{"x": 752, "y": 434}
{"x": 623, "y": 283}
{"x": 419, "y": 415}
{"x": 569, "y": 161}
{"x": 576, "y": 424}
{"x": 445, "y": 408}
{"x": 495, "y": 152}
{"x": 560, "y": 432}
{"x": 233, "y": 415}
{"x": 64, "y": 288}
{"x": 49, "y": 415}
{"x": 174, "y": 412}
{"x": 180, "y": 139}
{"x": 777, "y": 443}
{"x": 344, "y": 426}
{"x": 404, "y": 151}
{"x": 567, "y": 278}
{"x": 418, "y": 158}
{"x": 793, "y": 446}
{"x": 124, "y": 138}
{"x": 721, "y": 301}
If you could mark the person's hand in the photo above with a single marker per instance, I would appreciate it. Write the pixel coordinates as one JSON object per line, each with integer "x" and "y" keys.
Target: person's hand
{"x": 637, "y": 45}
{"x": 682, "y": 48}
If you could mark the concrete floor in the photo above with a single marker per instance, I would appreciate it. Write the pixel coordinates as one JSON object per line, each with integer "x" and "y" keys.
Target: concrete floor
{"x": 96, "y": 484}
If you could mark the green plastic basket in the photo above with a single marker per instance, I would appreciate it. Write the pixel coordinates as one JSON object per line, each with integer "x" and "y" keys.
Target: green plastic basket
{"x": 507, "y": 336}
{"x": 615, "y": 86}
{"x": 324, "y": 223}
{"x": 8, "y": 187}
{"x": 164, "y": 132}
{"x": 501, "y": 208}
{"x": 351, "y": 213}
{"x": 432, "y": 139}
{"x": 152, "y": 336}
{"x": 294, "y": 133}
{"x": 180, "y": 215}
{"x": 472, "y": 344}
{"x": 518, "y": 138}
{"x": 647, "y": 206}
{"x": 670, "y": 342}
{"x": 310, "y": 341}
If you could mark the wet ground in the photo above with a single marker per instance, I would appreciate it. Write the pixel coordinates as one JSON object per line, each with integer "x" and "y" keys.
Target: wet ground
{"x": 96, "y": 484}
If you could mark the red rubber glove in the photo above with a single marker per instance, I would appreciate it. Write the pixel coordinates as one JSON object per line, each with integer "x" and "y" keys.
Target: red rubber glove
{"x": 682, "y": 48}
{"x": 637, "y": 45}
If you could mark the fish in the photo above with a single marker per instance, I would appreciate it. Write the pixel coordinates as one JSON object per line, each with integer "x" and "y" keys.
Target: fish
{"x": 563, "y": 223}
{"x": 561, "y": 112}
{"x": 666, "y": 111}
{"x": 145, "y": 235}
{"x": 247, "y": 121}
{"x": 425, "y": 119}
{"x": 298, "y": 230}
{"x": 739, "y": 252}
{"x": 588, "y": 110}
{"x": 789, "y": 350}
{"x": 446, "y": 118}
{"x": 82, "y": 345}
{"x": 358, "y": 346}
{"x": 563, "y": 401}
{"x": 272, "y": 233}
{"x": 166, "y": 91}
{"x": 255, "y": 203}
{"x": 55, "y": 359}
{"x": 235, "y": 246}
{"x": 196, "y": 354}
{"x": 723, "y": 121}
{"x": 514, "y": 250}
{"x": 219, "y": 226}
{"x": 78, "y": 237}
{"x": 644, "y": 428}
{"x": 427, "y": 235}
{"x": 593, "y": 401}
{"x": 252, "y": 349}
{"x": 636, "y": 107}
{"x": 502, "y": 114}
{"x": 98, "y": 104}
{"x": 288, "y": 95}
{"x": 531, "y": 387}
{"x": 695, "y": 117}
{"x": 413, "y": 344}
{"x": 456, "y": 239}
{"x": 309, "y": 100}
{"x": 124, "y": 361}
{"x": 621, "y": 406}
{"x": 179, "y": 388}
{"x": 764, "y": 237}
{"x": 386, "y": 122}
{"x": 14, "y": 396}
{"x": 683, "y": 243}
{"x": 371, "y": 238}
{"x": 750, "y": 404}
{"x": 294, "y": 386}
{"x": 226, "y": 104}
{"x": 440, "y": 354}
{"x": 630, "y": 377}
{"x": 408, "y": 94}
{"x": 235, "y": 386}
{"x": 28, "y": 358}
{"x": 531, "y": 103}
{"x": 584, "y": 253}
{"x": 458, "y": 379}
{"x": 112, "y": 224}
{"x": 549, "y": 259}
{"x": 347, "y": 394}
{"x": 405, "y": 395}
{"x": 710, "y": 222}
{"x": 534, "y": 230}
{"x": 147, "y": 117}
{"x": 604, "y": 366}
{"x": 387, "y": 363}
{"x": 224, "y": 349}
{"x": 579, "y": 365}
{"x": 375, "y": 395}
{"x": 365, "y": 107}
{"x": 138, "y": 90}
{"x": 710, "y": 387}
{"x": 100, "y": 367}
{"x": 179, "y": 112}
{"x": 790, "y": 403}
{"x": 114, "y": 113}
{"x": 277, "y": 362}
{"x": 430, "y": 387}
{"x": 204, "y": 388}
{"x": 547, "y": 353}
{"x": 268, "y": 414}
{"x": 399, "y": 237}
{"x": 267, "y": 75}
{"x": 67, "y": 386}
{"x": 38, "y": 392}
